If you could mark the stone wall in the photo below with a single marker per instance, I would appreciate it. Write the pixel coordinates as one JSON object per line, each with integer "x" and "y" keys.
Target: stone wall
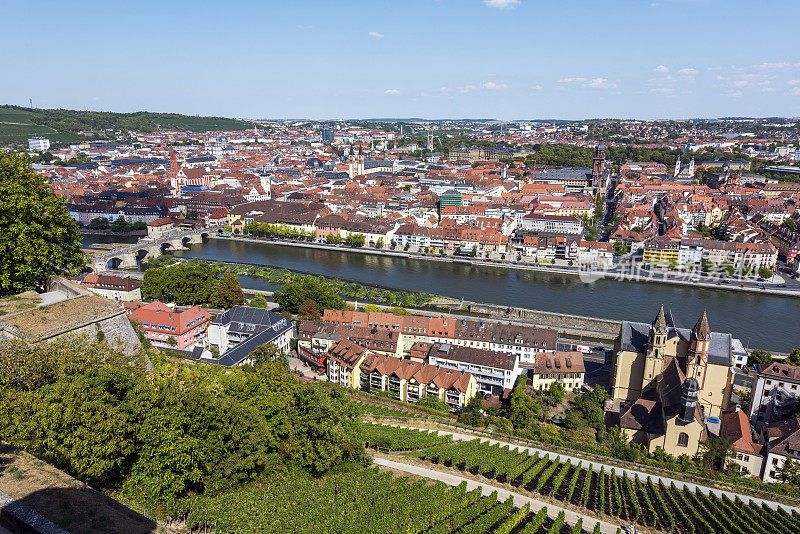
{"x": 564, "y": 323}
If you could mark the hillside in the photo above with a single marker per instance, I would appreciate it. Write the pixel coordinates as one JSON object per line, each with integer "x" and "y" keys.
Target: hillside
{"x": 17, "y": 123}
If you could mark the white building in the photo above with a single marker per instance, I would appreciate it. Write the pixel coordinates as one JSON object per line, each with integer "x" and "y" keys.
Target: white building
{"x": 565, "y": 368}
{"x": 775, "y": 391}
{"x": 782, "y": 440}
{"x": 240, "y": 330}
{"x": 554, "y": 224}
{"x": 494, "y": 371}
{"x": 38, "y": 144}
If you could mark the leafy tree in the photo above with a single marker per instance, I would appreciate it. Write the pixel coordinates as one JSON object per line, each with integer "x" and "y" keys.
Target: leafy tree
{"x": 265, "y": 353}
{"x": 790, "y": 224}
{"x": 188, "y": 283}
{"x": 138, "y": 226}
{"x": 620, "y": 248}
{"x": 228, "y": 292}
{"x": 171, "y": 341}
{"x": 334, "y": 239}
{"x": 120, "y": 225}
{"x": 794, "y": 357}
{"x": 790, "y": 472}
{"x": 379, "y": 243}
{"x": 370, "y": 308}
{"x": 759, "y": 356}
{"x": 99, "y": 223}
{"x": 355, "y": 240}
{"x": 397, "y": 310}
{"x": 37, "y": 237}
{"x": 294, "y": 294}
{"x": 765, "y": 272}
{"x": 716, "y": 451}
{"x": 555, "y": 394}
{"x": 258, "y": 302}
{"x": 309, "y": 310}
{"x": 472, "y": 413}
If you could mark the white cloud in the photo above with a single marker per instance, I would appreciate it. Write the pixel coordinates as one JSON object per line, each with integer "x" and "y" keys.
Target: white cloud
{"x": 733, "y": 94}
{"x": 466, "y": 88}
{"x": 572, "y": 80}
{"x": 444, "y": 89}
{"x": 600, "y": 83}
{"x": 793, "y": 82}
{"x": 502, "y": 4}
{"x": 392, "y": 92}
{"x": 688, "y": 71}
{"x": 492, "y": 85}
{"x": 768, "y": 90}
{"x": 537, "y": 87}
{"x": 662, "y": 90}
{"x": 376, "y": 35}
{"x": 661, "y": 68}
{"x": 796, "y": 91}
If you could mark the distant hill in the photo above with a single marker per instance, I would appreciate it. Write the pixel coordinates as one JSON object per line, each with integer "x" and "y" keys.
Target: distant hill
{"x": 18, "y": 123}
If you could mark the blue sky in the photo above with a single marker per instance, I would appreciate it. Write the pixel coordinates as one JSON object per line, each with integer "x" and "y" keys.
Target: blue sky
{"x": 506, "y": 59}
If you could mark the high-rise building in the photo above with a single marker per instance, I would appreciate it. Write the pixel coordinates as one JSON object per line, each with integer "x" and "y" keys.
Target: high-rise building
{"x": 38, "y": 144}
{"x": 327, "y": 135}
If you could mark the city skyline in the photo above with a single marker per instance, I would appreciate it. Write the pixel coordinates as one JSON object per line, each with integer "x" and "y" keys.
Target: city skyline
{"x": 500, "y": 59}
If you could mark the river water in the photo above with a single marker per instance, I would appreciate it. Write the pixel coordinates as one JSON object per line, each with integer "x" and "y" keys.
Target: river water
{"x": 760, "y": 321}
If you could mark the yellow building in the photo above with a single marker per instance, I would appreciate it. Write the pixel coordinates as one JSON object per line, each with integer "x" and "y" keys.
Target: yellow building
{"x": 668, "y": 380}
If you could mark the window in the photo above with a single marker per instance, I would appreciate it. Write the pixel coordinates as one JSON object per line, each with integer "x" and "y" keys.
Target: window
{"x": 683, "y": 439}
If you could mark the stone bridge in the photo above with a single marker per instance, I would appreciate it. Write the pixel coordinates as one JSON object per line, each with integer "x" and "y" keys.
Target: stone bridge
{"x": 128, "y": 257}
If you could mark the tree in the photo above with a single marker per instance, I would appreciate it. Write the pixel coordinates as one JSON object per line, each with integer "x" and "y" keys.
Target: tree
{"x": 309, "y": 310}
{"x": 715, "y": 453}
{"x": 294, "y": 294}
{"x": 472, "y": 413}
{"x": 228, "y": 292}
{"x": 765, "y": 272}
{"x": 620, "y": 248}
{"x": 789, "y": 224}
{"x": 138, "y": 226}
{"x": 258, "y": 302}
{"x": 355, "y": 240}
{"x": 790, "y": 472}
{"x": 379, "y": 243}
{"x": 555, "y": 394}
{"x": 187, "y": 283}
{"x": 171, "y": 341}
{"x": 759, "y": 356}
{"x": 37, "y": 237}
{"x": 333, "y": 239}
{"x": 99, "y": 223}
{"x": 794, "y": 357}
{"x": 265, "y": 353}
{"x": 120, "y": 225}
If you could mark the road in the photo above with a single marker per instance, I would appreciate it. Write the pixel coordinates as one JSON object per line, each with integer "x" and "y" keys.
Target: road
{"x": 595, "y": 466}
{"x": 571, "y": 517}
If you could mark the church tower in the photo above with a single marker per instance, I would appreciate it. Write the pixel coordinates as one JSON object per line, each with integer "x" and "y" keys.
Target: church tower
{"x": 697, "y": 355}
{"x": 691, "y": 168}
{"x": 677, "y": 167}
{"x": 598, "y": 165}
{"x": 656, "y": 346}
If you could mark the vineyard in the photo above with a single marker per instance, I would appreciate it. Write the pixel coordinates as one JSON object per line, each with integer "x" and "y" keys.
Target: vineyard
{"x": 369, "y": 501}
{"x": 365, "y": 408}
{"x": 655, "y": 505}
{"x": 400, "y": 439}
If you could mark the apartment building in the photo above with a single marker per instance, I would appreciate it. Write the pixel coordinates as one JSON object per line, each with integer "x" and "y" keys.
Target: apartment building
{"x": 774, "y": 394}
{"x": 240, "y": 330}
{"x": 167, "y": 328}
{"x": 565, "y": 368}
{"x": 493, "y": 371}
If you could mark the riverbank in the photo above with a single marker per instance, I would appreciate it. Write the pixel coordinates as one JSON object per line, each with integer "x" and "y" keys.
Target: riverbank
{"x": 587, "y": 276}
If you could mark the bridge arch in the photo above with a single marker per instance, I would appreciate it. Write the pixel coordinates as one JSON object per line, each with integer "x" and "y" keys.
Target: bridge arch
{"x": 165, "y": 246}
{"x": 186, "y": 241}
{"x": 114, "y": 263}
{"x": 141, "y": 254}
{"x": 205, "y": 235}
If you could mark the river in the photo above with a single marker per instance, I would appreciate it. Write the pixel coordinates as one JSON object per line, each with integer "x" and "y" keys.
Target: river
{"x": 760, "y": 321}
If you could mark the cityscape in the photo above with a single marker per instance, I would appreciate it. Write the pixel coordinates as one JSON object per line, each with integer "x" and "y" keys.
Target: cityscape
{"x": 402, "y": 277}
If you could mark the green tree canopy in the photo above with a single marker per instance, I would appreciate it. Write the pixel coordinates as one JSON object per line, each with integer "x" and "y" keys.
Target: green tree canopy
{"x": 294, "y": 294}
{"x": 228, "y": 292}
{"x": 37, "y": 237}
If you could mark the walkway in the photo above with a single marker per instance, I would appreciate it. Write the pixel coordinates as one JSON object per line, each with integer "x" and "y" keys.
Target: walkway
{"x": 595, "y": 466}
{"x": 571, "y": 517}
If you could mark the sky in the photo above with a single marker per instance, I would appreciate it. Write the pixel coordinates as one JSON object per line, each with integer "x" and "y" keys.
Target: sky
{"x": 503, "y": 59}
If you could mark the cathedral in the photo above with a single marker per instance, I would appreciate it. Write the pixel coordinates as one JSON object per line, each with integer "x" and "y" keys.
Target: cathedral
{"x": 667, "y": 380}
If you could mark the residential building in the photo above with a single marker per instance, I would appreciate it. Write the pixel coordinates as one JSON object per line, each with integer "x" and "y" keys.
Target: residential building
{"x": 745, "y": 453}
{"x": 494, "y": 371}
{"x": 782, "y": 441}
{"x": 240, "y": 330}
{"x": 116, "y": 288}
{"x": 38, "y": 144}
{"x": 408, "y": 380}
{"x": 160, "y": 227}
{"x": 161, "y": 324}
{"x": 554, "y": 224}
{"x": 774, "y": 394}
{"x": 565, "y": 368}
